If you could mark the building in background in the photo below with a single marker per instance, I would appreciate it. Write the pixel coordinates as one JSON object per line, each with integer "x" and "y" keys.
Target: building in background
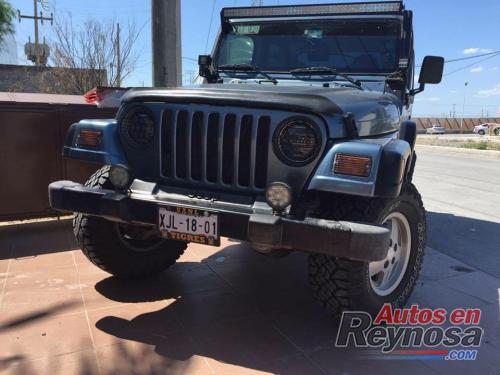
{"x": 50, "y": 80}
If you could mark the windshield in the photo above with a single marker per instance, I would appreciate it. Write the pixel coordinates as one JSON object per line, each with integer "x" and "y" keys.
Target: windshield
{"x": 350, "y": 46}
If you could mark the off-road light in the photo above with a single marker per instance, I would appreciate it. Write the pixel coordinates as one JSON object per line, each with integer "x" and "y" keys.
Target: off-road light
{"x": 279, "y": 196}
{"x": 119, "y": 176}
{"x": 352, "y": 165}
{"x": 314, "y": 10}
{"x": 89, "y": 138}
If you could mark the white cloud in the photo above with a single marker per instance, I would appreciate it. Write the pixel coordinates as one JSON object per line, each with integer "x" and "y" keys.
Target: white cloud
{"x": 453, "y": 91}
{"x": 495, "y": 68}
{"x": 476, "y": 70}
{"x": 490, "y": 92}
{"x": 472, "y": 50}
{"x": 430, "y": 99}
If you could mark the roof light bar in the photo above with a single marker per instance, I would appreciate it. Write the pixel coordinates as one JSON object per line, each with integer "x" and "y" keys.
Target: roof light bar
{"x": 314, "y": 10}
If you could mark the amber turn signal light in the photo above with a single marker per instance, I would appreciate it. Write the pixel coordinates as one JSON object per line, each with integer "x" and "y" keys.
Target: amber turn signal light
{"x": 90, "y": 138}
{"x": 352, "y": 165}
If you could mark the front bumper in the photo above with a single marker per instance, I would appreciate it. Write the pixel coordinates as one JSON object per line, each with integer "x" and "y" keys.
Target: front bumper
{"x": 240, "y": 218}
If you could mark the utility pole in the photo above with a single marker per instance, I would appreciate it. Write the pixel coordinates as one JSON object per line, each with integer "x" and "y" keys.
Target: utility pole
{"x": 38, "y": 53}
{"x": 463, "y": 108}
{"x": 118, "y": 61}
{"x": 166, "y": 39}
{"x": 454, "y": 106}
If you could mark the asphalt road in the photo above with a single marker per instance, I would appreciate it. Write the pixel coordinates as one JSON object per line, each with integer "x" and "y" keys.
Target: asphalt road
{"x": 462, "y": 196}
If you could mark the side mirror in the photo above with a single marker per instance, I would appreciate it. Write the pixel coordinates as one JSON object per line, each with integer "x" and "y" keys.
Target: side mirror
{"x": 204, "y": 65}
{"x": 431, "y": 72}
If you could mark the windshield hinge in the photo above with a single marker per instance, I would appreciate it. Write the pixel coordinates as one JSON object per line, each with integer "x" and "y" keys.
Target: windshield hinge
{"x": 351, "y": 129}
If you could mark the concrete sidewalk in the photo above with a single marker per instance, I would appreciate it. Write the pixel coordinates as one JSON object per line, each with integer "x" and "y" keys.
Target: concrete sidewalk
{"x": 218, "y": 310}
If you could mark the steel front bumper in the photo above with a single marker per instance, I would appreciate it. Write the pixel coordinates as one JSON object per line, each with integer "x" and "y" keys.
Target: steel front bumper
{"x": 248, "y": 221}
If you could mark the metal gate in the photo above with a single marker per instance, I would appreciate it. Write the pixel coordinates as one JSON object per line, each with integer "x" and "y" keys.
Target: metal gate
{"x": 32, "y": 134}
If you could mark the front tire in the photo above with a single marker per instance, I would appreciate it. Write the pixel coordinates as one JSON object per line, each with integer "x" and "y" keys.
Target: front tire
{"x": 342, "y": 284}
{"x": 126, "y": 251}
{"x": 481, "y": 132}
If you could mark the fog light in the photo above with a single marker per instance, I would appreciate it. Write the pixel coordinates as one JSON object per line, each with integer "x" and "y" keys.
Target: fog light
{"x": 278, "y": 196}
{"x": 119, "y": 176}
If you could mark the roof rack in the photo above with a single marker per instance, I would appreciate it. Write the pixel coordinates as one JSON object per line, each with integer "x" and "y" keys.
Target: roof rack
{"x": 377, "y": 7}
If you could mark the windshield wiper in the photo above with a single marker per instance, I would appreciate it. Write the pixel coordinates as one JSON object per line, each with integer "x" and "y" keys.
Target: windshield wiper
{"x": 246, "y": 68}
{"x": 324, "y": 69}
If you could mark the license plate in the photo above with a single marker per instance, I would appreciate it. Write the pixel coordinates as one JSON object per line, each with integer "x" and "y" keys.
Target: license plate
{"x": 189, "y": 224}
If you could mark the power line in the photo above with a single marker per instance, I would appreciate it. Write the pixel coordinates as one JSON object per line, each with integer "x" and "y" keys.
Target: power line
{"x": 210, "y": 26}
{"x": 467, "y": 58}
{"x": 469, "y": 65}
{"x": 472, "y": 57}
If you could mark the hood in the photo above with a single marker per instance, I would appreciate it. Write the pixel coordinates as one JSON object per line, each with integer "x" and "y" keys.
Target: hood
{"x": 318, "y": 100}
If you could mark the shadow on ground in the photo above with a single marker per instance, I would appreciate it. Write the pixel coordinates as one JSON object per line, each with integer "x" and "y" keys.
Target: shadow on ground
{"x": 232, "y": 311}
{"x": 472, "y": 241}
{"x": 255, "y": 310}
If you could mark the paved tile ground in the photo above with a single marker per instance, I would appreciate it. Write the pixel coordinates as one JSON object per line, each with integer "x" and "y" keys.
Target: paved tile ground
{"x": 218, "y": 310}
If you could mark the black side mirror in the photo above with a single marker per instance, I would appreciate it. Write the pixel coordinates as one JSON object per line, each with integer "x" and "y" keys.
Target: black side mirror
{"x": 204, "y": 65}
{"x": 431, "y": 72}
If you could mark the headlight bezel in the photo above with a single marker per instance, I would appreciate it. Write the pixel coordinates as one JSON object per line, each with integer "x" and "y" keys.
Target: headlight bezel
{"x": 287, "y": 124}
{"x": 125, "y": 132}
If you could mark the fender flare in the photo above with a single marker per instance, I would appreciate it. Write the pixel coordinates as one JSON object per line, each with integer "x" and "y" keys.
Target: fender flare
{"x": 109, "y": 149}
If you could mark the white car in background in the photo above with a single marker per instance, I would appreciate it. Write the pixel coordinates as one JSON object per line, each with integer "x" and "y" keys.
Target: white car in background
{"x": 481, "y": 129}
{"x": 436, "y": 129}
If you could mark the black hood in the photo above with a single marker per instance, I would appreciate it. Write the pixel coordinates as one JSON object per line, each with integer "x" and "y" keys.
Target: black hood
{"x": 313, "y": 99}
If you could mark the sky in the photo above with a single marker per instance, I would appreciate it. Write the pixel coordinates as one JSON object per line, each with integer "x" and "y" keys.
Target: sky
{"x": 448, "y": 28}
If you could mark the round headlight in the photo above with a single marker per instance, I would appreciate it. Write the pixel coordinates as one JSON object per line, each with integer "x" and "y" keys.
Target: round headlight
{"x": 297, "y": 141}
{"x": 278, "y": 196}
{"x": 138, "y": 125}
{"x": 119, "y": 176}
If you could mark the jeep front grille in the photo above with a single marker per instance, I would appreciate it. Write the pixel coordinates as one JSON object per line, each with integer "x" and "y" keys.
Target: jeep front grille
{"x": 211, "y": 147}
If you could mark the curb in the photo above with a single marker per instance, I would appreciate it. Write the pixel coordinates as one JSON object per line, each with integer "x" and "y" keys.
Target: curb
{"x": 489, "y": 154}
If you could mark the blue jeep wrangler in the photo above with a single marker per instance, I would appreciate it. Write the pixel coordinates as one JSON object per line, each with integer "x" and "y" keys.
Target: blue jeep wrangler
{"x": 297, "y": 137}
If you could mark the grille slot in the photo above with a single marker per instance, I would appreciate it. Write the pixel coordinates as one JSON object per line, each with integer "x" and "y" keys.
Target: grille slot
{"x": 214, "y": 148}
{"x": 261, "y": 156}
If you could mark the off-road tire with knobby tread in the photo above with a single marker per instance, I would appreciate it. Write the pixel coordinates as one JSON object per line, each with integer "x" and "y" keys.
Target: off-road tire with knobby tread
{"x": 342, "y": 284}
{"x": 411, "y": 168}
{"x": 104, "y": 245}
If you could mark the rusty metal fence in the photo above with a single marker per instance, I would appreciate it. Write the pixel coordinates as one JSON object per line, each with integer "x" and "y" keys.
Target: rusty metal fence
{"x": 452, "y": 125}
{"x": 31, "y": 138}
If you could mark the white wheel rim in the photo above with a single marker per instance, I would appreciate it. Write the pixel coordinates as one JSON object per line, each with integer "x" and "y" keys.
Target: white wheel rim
{"x": 386, "y": 275}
